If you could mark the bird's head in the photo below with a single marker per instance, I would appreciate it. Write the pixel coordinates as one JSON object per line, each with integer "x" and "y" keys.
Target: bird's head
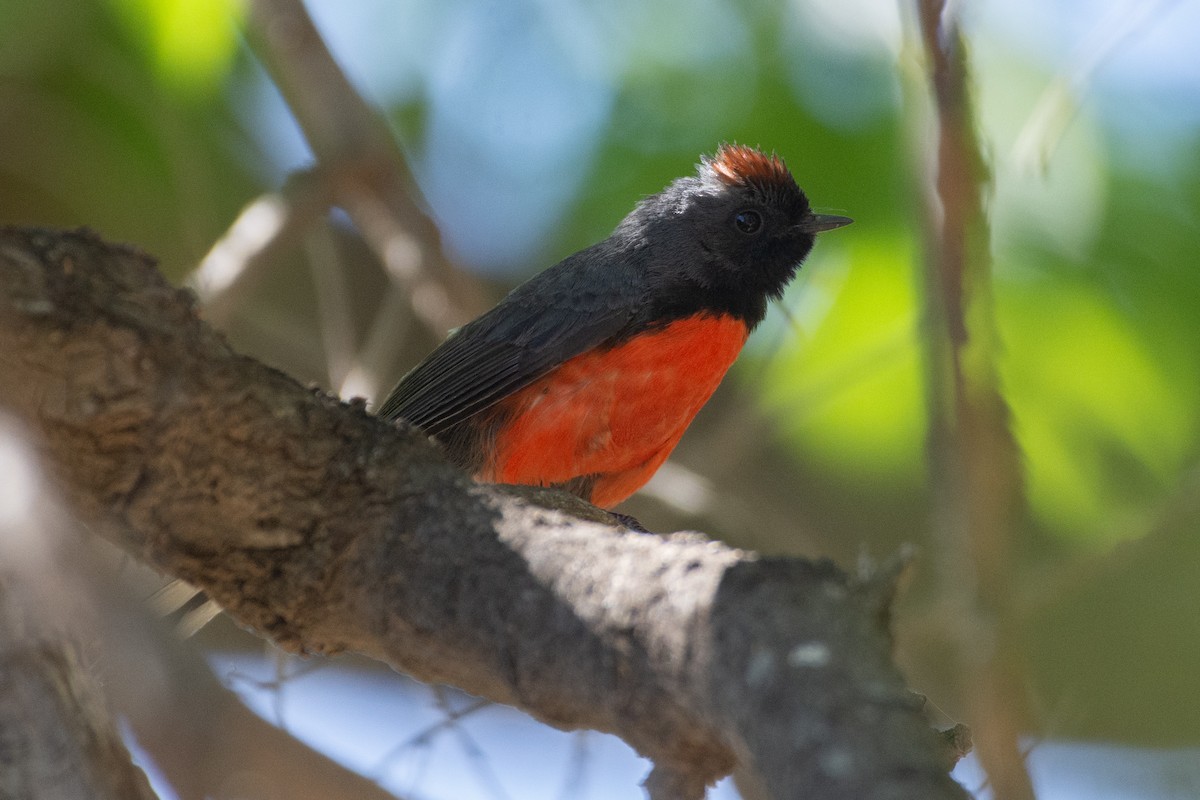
{"x": 741, "y": 226}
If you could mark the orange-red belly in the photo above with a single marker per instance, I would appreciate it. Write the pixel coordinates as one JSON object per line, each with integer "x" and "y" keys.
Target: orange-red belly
{"x": 614, "y": 414}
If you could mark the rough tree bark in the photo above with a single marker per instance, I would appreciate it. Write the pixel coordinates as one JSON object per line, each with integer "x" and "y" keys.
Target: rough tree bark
{"x": 325, "y": 529}
{"x": 75, "y": 644}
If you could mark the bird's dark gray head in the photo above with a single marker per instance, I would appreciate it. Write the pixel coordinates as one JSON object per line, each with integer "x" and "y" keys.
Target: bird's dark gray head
{"x": 735, "y": 233}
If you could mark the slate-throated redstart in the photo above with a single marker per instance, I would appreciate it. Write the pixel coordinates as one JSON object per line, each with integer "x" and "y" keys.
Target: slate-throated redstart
{"x": 586, "y": 376}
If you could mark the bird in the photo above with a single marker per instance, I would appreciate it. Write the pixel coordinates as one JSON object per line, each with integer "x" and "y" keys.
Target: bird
{"x": 585, "y": 377}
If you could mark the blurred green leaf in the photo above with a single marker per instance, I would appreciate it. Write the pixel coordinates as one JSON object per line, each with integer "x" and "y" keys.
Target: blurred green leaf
{"x": 848, "y": 391}
{"x": 90, "y": 135}
{"x": 192, "y": 42}
{"x": 1103, "y": 425}
{"x": 1114, "y": 654}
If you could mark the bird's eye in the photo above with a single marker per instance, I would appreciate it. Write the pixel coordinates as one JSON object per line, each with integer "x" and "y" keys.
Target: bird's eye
{"x": 748, "y": 222}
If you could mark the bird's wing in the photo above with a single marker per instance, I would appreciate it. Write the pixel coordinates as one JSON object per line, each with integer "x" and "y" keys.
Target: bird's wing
{"x": 552, "y": 318}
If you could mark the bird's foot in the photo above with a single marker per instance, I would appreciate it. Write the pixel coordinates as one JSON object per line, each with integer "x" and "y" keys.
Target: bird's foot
{"x": 630, "y": 522}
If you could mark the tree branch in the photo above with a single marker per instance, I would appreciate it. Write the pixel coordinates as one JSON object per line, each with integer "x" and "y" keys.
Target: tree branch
{"x": 361, "y": 162}
{"x": 57, "y": 739}
{"x": 326, "y": 529}
{"x": 975, "y": 460}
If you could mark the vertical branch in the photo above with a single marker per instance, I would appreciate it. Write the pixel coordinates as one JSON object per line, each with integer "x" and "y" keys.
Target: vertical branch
{"x": 368, "y": 171}
{"x": 363, "y": 172}
{"x": 975, "y": 463}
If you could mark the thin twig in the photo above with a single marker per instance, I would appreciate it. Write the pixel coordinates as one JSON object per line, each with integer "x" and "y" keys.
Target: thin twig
{"x": 370, "y": 180}
{"x": 334, "y": 308}
{"x": 424, "y": 737}
{"x": 392, "y": 321}
{"x": 975, "y": 466}
{"x": 1059, "y": 103}
{"x": 268, "y": 224}
{"x": 575, "y": 785}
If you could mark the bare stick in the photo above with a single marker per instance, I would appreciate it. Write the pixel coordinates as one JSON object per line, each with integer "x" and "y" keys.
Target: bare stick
{"x": 976, "y": 468}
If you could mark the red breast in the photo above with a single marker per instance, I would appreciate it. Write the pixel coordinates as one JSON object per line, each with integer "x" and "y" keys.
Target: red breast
{"x": 613, "y": 415}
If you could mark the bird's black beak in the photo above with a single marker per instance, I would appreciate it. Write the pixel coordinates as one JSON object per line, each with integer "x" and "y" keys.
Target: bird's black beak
{"x": 816, "y": 223}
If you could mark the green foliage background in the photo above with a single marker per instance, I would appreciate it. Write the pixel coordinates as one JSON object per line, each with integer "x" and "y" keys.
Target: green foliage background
{"x": 136, "y": 118}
